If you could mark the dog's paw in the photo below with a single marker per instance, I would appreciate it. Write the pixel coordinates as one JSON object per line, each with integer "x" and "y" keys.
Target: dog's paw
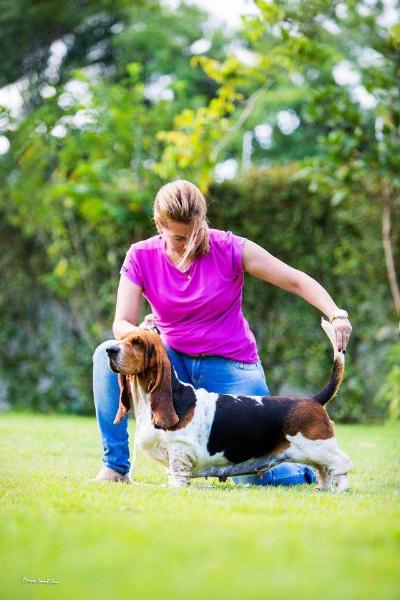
{"x": 175, "y": 482}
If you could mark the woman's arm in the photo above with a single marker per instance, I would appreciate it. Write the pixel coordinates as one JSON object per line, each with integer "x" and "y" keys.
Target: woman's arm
{"x": 127, "y": 307}
{"x": 262, "y": 264}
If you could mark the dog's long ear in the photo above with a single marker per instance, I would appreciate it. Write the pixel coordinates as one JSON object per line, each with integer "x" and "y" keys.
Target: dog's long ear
{"x": 162, "y": 407}
{"x": 124, "y": 398}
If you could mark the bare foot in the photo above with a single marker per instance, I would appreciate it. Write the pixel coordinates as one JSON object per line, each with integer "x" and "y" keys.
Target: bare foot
{"x": 106, "y": 474}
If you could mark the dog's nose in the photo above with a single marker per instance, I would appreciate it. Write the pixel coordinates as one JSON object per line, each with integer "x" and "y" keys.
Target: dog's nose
{"x": 112, "y": 351}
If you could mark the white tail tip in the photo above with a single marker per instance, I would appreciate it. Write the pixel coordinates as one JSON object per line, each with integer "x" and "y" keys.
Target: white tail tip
{"x": 330, "y": 332}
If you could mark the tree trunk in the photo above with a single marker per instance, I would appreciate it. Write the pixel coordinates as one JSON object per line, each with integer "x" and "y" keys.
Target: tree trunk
{"x": 388, "y": 250}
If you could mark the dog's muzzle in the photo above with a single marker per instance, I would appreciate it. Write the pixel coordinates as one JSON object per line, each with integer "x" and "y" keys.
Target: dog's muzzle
{"x": 113, "y": 353}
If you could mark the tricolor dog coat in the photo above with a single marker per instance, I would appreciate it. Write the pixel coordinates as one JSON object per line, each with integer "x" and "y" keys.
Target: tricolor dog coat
{"x": 198, "y": 433}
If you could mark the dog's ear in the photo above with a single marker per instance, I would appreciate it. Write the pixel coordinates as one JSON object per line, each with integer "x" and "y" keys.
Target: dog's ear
{"x": 124, "y": 398}
{"x": 161, "y": 404}
{"x": 150, "y": 352}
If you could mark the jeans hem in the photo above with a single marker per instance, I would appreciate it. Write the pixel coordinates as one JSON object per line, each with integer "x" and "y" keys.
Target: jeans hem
{"x": 115, "y": 468}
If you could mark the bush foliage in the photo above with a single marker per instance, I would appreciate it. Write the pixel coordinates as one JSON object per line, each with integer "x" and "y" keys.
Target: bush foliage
{"x": 53, "y": 340}
{"x": 117, "y": 100}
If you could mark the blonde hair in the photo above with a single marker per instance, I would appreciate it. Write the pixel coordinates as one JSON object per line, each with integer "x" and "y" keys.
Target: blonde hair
{"x": 182, "y": 201}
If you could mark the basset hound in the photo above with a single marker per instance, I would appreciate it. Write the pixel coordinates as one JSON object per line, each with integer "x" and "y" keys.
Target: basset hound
{"x": 195, "y": 433}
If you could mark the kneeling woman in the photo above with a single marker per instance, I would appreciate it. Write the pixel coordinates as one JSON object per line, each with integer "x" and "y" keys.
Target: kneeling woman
{"x": 192, "y": 276}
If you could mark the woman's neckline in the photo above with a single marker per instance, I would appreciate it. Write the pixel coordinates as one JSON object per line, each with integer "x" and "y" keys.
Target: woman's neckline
{"x": 188, "y": 272}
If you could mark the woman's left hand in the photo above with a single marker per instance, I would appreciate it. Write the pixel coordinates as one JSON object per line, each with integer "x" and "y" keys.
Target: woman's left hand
{"x": 343, "y": 330}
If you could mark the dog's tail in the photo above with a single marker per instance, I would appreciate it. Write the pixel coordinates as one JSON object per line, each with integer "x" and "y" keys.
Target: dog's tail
{"x": 330, "y": 390}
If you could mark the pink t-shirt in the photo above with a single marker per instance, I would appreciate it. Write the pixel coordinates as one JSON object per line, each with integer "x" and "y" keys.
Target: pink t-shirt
{"x": 199, "y": 311}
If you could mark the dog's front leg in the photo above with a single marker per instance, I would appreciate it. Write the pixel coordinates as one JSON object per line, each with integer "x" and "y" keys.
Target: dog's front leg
{"x": 180, "y": 466}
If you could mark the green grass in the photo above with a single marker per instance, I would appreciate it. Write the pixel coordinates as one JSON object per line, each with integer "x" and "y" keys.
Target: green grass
{"x": 211, "y": 540}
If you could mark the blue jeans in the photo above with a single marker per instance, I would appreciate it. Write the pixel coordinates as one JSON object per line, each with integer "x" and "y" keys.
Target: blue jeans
{"x": 215, "y": 374}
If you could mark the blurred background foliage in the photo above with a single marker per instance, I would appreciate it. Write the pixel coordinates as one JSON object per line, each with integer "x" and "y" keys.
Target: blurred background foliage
{"x": 289, "y": 123}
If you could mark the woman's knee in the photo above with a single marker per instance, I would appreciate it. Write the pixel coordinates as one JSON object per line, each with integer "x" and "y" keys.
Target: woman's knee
{"x": 100, "y": 351}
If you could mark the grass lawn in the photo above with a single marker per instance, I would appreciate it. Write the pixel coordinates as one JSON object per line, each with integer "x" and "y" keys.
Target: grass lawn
{"x": 211, "y": 540}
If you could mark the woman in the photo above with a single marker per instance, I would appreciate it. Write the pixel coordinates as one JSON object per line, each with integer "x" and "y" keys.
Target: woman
{"x": 192, "y": 277}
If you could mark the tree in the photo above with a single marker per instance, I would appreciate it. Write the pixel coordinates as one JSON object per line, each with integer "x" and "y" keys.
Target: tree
{"x": 77, "y": 184}
{"x": 80, "y": 160}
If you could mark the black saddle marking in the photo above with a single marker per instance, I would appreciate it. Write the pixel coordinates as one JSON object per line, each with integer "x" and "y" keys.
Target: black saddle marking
{"x": 245, "y": 428}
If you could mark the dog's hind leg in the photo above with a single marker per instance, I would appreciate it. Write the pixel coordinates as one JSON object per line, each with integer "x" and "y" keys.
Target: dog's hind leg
{"x": 331, "y": 481}
{"x": 324, "y": 478}
{"x": 331, "y": 463}
{"x": 338, "y": 467}
{"x": 340, "y": 483}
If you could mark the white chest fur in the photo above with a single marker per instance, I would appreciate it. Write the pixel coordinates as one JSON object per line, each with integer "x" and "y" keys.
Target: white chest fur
{"x": 191, "y": 440}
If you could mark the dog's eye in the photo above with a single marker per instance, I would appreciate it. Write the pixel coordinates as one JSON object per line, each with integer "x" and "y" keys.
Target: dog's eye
{"x": 138, "y": 343}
